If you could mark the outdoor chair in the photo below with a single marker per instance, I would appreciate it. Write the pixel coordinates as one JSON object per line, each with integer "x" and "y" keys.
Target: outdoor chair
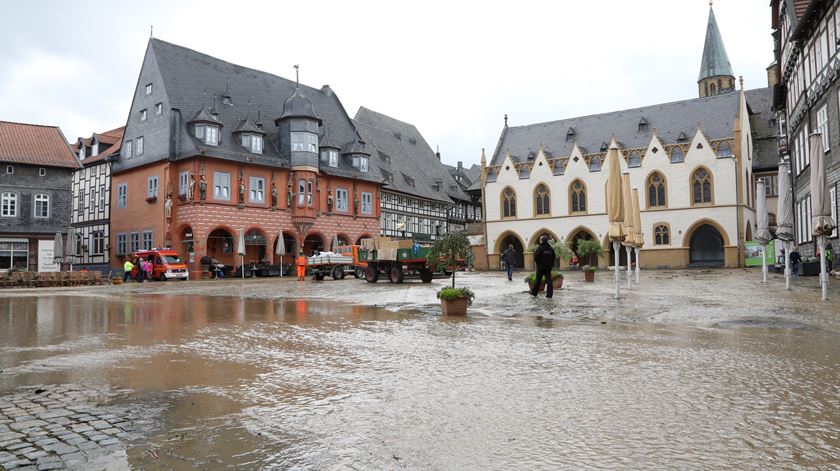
{"x": 27, "y": 279}
{"x": 17, "y": 279}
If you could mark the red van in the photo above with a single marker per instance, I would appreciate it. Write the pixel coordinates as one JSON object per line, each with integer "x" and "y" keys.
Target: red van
{"x": 166, "y": 264}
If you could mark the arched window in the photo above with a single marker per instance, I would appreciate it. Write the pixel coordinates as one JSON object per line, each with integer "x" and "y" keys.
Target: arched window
{"x": 712, "y": 88}
{"x": 677, "y": 155}
{"x": 657, "y": 191}
{"x": 701, "y": 186}
{"x": 542, "y": 203}
{"x": 724, "y": 150}
{"x": 595, "y": 164}
{"x": 634, "y": 160}
{"x": 577, "y": 197}
{"x": 508, "y": 203}
{"x": 662, "y": 234}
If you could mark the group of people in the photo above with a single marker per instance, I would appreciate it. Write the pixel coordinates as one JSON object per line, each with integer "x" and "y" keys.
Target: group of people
{"x": 544, "y": 260}
{"x": 138, "y": 269}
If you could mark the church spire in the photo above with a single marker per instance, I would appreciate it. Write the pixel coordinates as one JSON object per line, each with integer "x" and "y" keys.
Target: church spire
{"x": 716, "y": 74}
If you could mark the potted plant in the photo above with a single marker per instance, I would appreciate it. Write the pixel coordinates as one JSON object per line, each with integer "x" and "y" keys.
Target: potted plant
{"x": 586, "y": 249}
{"x": 454, "y": 301}
{"x": 446, "y": 252}
{"x": 810, "y": 266}
{"x": 556, "y": 281}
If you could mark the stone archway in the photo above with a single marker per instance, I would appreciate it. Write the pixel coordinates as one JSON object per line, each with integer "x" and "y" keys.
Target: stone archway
{"x": 256, "y": 244}
{"x": 582, "y": 233}
{"x": 221, "y": 246}
{"x": 535, "y": 240}
{"x": 508, "y": 239}
{"x": 290, "y": 245}
{"x": 313, "y": 242}
{"x": 706, "y": 247}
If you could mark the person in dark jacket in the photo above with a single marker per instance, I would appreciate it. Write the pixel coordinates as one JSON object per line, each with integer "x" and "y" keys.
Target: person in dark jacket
{"x": 795, "y": 258}
{"x": 544, "y": 259}
{"x": 509, "y": 257}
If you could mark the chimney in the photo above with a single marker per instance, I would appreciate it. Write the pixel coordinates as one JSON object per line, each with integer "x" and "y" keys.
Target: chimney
{"x": 460, "y": 165}
{"x": 437, "y": 153}
{"x": 326, "y": 90}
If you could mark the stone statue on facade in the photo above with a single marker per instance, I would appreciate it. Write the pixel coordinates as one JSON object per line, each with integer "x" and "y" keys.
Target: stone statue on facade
{"x": 202, "y": 188}
{"x": 241, "y": 192}
{"x": 167, "y": 207}
{"x": 355, "y": 204}
{"x": 291, "y": 196}
{"x": 191, "y": 188}
{"x": 273, "y": 196}
{"x": 329, "y": 202}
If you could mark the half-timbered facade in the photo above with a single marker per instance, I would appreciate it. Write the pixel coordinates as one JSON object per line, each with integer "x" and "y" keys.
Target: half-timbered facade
{"x": 92, "y": 198}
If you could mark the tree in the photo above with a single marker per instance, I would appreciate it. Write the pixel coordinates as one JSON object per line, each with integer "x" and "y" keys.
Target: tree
{"x": 448, "y": 250}
{"x": 588, "y": 248}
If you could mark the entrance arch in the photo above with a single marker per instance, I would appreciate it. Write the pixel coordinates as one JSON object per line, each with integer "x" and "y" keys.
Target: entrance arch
{"x": 582, "y": 233}
{"x": 220, "y": 245}
{"x": 255, "y": 245}
{"x": 535, "y": 240}
{"x": 290, "y": 243}
{"x": 706, "y": 247}
{"x": 510, "y": 238}
{"x": 312, "y": 243}
{"x": 187, "y": 242}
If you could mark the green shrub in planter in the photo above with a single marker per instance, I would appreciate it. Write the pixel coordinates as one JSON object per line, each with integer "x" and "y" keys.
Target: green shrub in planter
{"x": 449, "y": 294}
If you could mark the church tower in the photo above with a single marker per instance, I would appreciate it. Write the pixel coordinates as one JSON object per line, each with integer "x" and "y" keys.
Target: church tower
{"x": 716, "y": 75}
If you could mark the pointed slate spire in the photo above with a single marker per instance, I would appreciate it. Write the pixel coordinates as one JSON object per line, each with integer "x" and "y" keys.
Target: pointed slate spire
{"x": 715, "y": 61}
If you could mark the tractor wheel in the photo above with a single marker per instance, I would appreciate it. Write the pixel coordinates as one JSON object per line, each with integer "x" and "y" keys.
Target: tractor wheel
{"x": 396, "y": 273}
{"x": 337, "y": 273}
{"x": 425, "y": 275}
{"x": 371, "y": 274}
{"x": 359, "y": 273}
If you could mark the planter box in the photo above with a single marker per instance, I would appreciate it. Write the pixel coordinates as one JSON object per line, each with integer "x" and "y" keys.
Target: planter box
{"x": 454, "y": 307}
{"x": 810, "y": 269}
{"x": 589, "y": 276}
{"x": 557, "y": 283}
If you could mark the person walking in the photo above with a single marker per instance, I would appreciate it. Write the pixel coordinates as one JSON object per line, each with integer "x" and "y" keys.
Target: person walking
{"x": 301, "y": 266}
{"x": 829, "y": 256}
{"x": 147, "y": 267}
{"x": 509, "y": 257}
{"x": 141, "y": 271}
{"x": 544, "y": 259}
{"x": 795, "y": 258}
{"x": 127, "y": 267}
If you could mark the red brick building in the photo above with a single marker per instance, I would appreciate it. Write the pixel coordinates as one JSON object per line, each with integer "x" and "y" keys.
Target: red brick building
{"x": 212, "y": 149}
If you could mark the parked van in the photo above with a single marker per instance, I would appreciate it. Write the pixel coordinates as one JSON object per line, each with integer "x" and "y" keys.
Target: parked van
{"x": 166, "y": 264}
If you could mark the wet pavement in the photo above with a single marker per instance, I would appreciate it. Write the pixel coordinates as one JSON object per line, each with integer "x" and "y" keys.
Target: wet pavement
{"x": 688, "y": 370}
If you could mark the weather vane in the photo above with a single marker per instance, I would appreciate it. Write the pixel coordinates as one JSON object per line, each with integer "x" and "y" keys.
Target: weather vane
{"x": 297, "y": 74}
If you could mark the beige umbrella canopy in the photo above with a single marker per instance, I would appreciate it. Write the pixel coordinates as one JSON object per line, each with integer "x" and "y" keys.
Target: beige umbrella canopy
{"x": 762, "y": 233}
{"x": 629, "y": 231}
{"x": 638, "y": 236}
{"x": 58, "y": 249}
{"x": 615, "y": 208}
{"x": 784, "y": 223}
{"x": 334, "y": 243}
{"x": 820, "y": 197}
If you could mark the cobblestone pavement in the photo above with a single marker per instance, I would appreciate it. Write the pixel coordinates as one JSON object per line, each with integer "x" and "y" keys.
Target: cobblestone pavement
{"x": 65, "y": 427}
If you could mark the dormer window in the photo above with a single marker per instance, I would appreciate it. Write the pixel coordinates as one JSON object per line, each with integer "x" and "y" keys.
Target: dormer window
{"x": 412, "y": 141}
{"x": 360, "y": 162}
{"x": 330, "y": 157}
{"x": 643, "y": 125}
{"x": 253, "y": 143}
{"x": 570, "y": 135}
{"x": 304, "y": 142}
{"x": 207, "y": 133}
{"x": 604, "y": 147}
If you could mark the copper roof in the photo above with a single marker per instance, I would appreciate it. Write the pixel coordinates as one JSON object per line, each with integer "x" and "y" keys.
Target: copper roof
{"x": 35, "y": 145}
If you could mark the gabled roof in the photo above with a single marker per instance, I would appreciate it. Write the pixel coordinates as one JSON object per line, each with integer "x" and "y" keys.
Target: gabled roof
{"x": 715, "y": 61}
{"x": 107, "y": 147}
{"x": 35, "y": 144}
{"x": 716, "y": 115}
{"x": 187, "y": 74}
{"x": 416, "y": 159}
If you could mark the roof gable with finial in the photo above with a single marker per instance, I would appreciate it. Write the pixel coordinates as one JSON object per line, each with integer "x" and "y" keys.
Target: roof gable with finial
{"x": 715, "y": 61}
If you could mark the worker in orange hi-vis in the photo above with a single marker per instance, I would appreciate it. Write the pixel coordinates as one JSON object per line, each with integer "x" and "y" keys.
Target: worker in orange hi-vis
{"x": 301, "y": 266}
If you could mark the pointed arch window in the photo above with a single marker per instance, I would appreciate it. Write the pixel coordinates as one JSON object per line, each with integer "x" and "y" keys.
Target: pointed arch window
{"x": 724, "y": 150}
{"x": 662, "y": 234}
{"x": 508, "y": 203}
{"x": 677, "y": 155}
{"x": 577, "y": 197}
{"x": 701, "y": 186}
{"x": 634, "y": 160}
{"x": 542, "y": 201}
{"x": 657, "y": 191}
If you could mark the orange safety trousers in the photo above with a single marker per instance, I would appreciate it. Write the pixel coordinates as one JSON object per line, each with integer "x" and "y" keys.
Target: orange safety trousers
{"x": 301, "y": 267}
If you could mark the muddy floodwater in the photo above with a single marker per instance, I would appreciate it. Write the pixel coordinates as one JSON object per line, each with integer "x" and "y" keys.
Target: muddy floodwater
{"x": 689, "y": 370}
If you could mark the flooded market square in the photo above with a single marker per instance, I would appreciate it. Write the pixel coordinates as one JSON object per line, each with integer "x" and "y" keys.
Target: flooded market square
{"x": 688, "y": 370}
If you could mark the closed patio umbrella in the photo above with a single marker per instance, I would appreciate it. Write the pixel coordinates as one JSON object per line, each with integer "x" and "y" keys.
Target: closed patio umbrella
{"x": 628, "y": 223}
{"x": 615, "y": 210}
{"x": 821, "y": 220}
{"x": 240, "y": 250}
{"x": 70, "y": 250}
{"x": 784, "y": 223}
{"x": 280, "y": 250}
{"x": 58, "y": 250}
{"x": 334, "y": 243}
{"x": 762, "y": 233}
{"x": 638, "y": 236}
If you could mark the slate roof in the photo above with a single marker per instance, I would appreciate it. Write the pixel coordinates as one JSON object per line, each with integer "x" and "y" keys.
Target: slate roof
{"x": 187, "y": 74}
{"x": 390, "y": 143}
{"x": 716, "y": 115}
{"x": 764, "y": 130}
{"x": 468, "y": 175}
{"x": 110, "y": 143}
{"x": 715, "y": 61}
{"x": 35, "y": 144}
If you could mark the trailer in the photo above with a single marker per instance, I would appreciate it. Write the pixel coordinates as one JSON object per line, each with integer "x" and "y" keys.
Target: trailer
{"x": 398, "y": 259}
{"x": 344, "y": 261}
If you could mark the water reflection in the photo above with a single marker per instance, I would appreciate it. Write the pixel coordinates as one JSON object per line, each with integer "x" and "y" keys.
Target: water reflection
{"x": 313, "y": 384}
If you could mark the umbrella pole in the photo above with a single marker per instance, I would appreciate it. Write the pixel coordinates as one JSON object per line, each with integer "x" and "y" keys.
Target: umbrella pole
{"x": 242, "y": 257}
{"x": 629, "y": 269}
{"x": 787, "y": 265}
{"x": 823, "y": 273}
{"x": 764, "y": 263}
{"x": 616, "y": 246}
{"x": 638, "y": 268}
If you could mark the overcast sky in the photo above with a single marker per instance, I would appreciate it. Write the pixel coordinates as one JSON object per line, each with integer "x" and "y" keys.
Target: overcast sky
{"x": 452, "y": 70}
